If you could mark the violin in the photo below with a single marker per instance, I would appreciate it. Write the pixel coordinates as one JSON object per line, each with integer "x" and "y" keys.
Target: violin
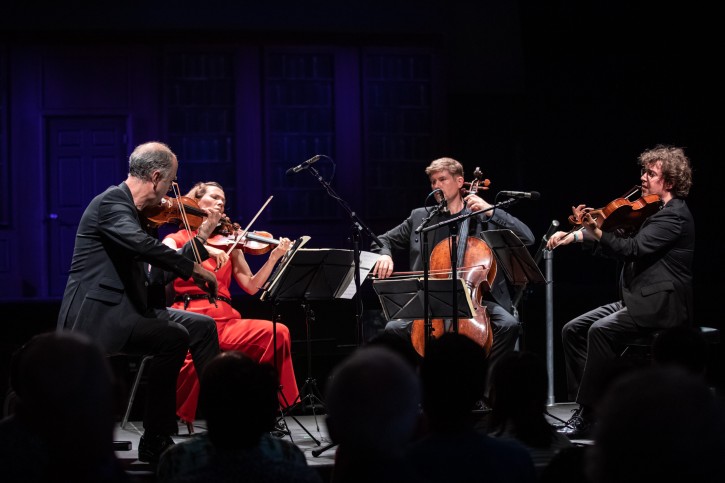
{"x": 253, "y": 243}
{"x": 170, "y": 211}
{"x": 621, "y": 215}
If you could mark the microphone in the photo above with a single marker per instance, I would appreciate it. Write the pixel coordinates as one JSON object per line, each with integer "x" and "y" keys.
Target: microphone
{"x": 304, "y": 165}
{"x": 441, "y": 199}
{"x": 552, "y": 229}
{"x": 534, "y": 195}
{"x": 540, "y": 251}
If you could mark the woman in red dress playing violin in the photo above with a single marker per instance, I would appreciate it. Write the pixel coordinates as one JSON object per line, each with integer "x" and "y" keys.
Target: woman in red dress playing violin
{"x": 253, "y": 337}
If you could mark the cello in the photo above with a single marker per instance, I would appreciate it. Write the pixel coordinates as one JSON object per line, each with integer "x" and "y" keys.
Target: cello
{"x": 478, "y": 270}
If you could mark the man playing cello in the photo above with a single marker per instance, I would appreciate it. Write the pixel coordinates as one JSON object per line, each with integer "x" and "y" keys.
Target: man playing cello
{"x": 446, "y": 174}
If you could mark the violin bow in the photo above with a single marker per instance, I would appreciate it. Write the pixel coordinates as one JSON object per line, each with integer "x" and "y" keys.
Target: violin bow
{"x": 185, "y": 220}
{"x": 246, "y": 230}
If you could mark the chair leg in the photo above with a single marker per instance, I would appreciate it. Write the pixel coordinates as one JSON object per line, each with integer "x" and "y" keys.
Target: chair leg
{"x": 132, "y": 396}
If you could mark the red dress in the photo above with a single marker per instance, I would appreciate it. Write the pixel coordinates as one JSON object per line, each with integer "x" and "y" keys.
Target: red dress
{"x": 254, "y": 337}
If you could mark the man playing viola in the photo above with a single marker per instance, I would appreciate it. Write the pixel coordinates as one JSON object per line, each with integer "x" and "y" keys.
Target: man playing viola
{"x": 446, "y": 174}
{"x": 655, "y": 285}
{"x": 107, "y": 296}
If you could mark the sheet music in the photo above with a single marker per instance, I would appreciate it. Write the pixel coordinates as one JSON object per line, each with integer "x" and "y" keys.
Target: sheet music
{"x": 317, "y": 274}
{"x": 367, "y": 262}
{"x": 272, "y": 279}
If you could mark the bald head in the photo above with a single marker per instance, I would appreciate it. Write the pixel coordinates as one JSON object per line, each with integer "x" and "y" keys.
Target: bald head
{"x": 150, "y": 157}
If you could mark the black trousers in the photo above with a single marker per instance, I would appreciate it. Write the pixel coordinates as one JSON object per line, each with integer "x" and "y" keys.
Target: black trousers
{"x": 168, "y": 337}
{"x": 592, "y": 344}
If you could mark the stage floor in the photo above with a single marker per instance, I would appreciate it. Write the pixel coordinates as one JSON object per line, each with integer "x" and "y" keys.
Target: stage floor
{"x": 308, "y": 432}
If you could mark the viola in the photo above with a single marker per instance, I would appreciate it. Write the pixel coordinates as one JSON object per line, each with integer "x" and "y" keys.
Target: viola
{"x": 621, "y": 215}
{"x": 253, "y": 243}
{"x": 170, "y": 211}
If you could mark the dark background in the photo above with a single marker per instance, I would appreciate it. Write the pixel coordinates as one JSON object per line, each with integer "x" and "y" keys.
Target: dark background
{"x": 551, "y": 96}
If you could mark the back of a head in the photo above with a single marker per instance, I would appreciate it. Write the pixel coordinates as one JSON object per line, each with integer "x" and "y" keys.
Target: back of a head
{"x": 519, "y": 388}
{"x": 238, "y": 397}
{"x": 399, "y": 345}
{"x": 658, "y": 424}
{"x": 373, "y": 401}
{"x": 66, "y": 395}
{"x": 148, "y": 157}
{"x": 453, "y": 375}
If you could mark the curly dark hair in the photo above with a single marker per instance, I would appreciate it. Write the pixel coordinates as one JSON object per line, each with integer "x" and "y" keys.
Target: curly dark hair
{"x": 675, "y": 167}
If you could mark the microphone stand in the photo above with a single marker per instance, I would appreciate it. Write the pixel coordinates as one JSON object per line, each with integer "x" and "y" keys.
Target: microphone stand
{"x": 427, "y": 324}
{"x": 549, "y": 271}
{"x": 548, "y": 256}
{"x": 357, "y": 227}
{"x": 537, "y": 258}
{"x": 456, "y": 219}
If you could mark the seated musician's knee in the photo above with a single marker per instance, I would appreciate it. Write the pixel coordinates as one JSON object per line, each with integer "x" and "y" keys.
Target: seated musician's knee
{"x": 174, "y": 338}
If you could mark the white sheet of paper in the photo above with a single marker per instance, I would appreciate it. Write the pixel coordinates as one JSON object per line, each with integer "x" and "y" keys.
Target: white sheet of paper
{"x": 367, "y": 262}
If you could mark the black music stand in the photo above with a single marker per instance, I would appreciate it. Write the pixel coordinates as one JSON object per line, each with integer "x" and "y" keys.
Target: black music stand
{"x": 312, "y": 275}
{"x": 404, "y": 299}
{"x": 513, "y": 257}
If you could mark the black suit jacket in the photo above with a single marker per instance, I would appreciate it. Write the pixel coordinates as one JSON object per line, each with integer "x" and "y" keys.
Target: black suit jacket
{"x": 656, "y": 281}
{"x": 107, "y": 289}
{"x": 402, "y": 237}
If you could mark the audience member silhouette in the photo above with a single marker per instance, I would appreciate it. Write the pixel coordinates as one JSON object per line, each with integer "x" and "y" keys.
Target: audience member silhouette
{"x": 63, "y": 426}
{"x": 658, "y": 424}
{"x": 519, "y": 390}
{"x": 567, "y": 466}
{"x": 373, "y": 404}
{"x": 399, "y": 345}
{"x": 453, "y": 375}
{"x": 239, "y": 398}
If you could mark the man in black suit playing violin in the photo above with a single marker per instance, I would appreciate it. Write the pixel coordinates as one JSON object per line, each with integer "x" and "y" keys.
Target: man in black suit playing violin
{"x": 655, "y": 285}
{"x": 446, "y": 174}
{"x": 108, "y": 294}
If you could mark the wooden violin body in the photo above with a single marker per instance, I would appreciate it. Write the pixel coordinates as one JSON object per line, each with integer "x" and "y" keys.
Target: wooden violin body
{"x": 169, "y": 211}
{"x": 253, "y": 243}
{"x": 622, "y": 215}
{"x": 478, "y": 271}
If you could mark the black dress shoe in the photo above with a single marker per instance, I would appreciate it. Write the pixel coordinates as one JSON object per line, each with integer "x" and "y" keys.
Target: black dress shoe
{"x": 577, "y": 428}
{"x": 280, "y": 429}
{"x": 564, "y": 424}
{"x": 152, "y": 445}
{"x": 481, "y": 407}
